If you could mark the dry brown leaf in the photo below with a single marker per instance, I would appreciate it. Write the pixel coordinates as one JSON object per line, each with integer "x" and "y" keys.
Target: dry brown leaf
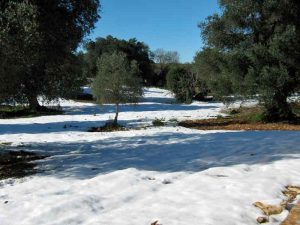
{"x": 269, "y": 209}
{"x": 294, "y": 189}
{"x": 291, "y": 195}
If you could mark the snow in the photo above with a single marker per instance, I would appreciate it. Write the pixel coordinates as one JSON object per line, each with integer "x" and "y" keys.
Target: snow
{"x": 171, "y": 174}
{"x": 86, "y": 90}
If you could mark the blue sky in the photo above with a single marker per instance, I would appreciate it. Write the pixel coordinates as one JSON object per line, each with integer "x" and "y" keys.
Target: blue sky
{"x": 167, "y": 24}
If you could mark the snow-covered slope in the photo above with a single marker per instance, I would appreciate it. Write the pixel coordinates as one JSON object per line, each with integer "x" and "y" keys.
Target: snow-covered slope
{"x": 172, "y": 174}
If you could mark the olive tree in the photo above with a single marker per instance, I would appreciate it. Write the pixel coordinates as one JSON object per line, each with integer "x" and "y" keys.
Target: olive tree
{"x": 256, "y": 47}
{"x": 38, "y": 41}
{"x": 117, "y": 81}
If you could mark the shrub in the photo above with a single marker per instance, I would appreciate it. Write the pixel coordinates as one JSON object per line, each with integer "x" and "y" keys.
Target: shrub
{"x": 158, "y": 122}
{"x": 181, "y": 82}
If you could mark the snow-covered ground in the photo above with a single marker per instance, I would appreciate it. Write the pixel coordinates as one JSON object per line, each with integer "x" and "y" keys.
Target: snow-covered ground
{"x": 172, "y": 174}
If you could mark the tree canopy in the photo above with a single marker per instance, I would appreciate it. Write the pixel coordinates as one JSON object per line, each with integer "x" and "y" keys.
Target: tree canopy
{"x": 181, "y": 81}
{"x": 132, "y": 48}
{"x": 255, "y": 46}
{"x": 38, "y": 40}
{"x": 117, "y": 80}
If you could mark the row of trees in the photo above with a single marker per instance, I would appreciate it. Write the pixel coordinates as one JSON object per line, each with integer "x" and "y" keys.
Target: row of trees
{"x": 153, "y": 65}
{"x": 252, "y": 49}
{"x": 119, "y": 69}
{"x": 38, "y": 43}
{"x": 158, "y": 68}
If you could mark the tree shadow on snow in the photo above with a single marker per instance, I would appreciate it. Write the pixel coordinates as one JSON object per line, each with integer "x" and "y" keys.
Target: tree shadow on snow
{"x": 54, "y": 127}
{"x": 51, "y": 127}
{"x": 142, "y": 108}
{"x": 167, "y": 152}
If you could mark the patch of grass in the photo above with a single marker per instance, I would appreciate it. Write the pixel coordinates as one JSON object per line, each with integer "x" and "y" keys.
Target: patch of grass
{"x": 246, "y": 118}
{"x": 18, "y": 164}
{"x": 158, "y": 122}
{"x": 220, "y": 117}
{"x": 256, "y": 114}
{"x": 108, "y": 127}
{"x": 10, "y": 112}
{"x": 246, "y": 114}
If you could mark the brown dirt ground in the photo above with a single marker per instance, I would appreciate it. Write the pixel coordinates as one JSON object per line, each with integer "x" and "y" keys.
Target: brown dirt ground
{"x": 229, "y": 124}
{"x": 294, "y": 216}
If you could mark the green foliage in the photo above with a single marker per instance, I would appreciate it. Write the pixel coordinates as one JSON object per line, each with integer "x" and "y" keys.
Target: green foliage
{"x": 247, "y": 114}
{"x": 117, "y": 80}
{"x": 37, "y": 44}
{"x": 158, "y": 122}
{"x": 133, "y": 49}
{"x": 16, "y": 37}
{"x": 181, "y": 81}
{"x": 9, "y": 112}
{"x": 253, "y": 47}
{"x": 210, "y": 66}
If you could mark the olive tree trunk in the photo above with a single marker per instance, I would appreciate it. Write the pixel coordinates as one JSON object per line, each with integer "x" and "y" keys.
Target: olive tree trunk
{"x": 278, "y": 108}
{"x": 117, "y": 114}
{"x": 33, "y": 103}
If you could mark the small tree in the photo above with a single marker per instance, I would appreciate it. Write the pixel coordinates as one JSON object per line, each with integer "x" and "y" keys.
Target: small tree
{"x": 117, "y": 81}
{"x": 181, "y": 81}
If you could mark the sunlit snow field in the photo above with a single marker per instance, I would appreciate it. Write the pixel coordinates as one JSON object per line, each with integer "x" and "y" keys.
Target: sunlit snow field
{"x": 176, "y": 175}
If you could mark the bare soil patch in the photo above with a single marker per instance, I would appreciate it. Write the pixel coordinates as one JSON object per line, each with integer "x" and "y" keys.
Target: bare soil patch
{"x": 242, "y": 119}
{"x": 230, "y": 124}
{"x": 108, "y": 127}
{"x": 294, "y": 216}
{"x": 12, "y": 112}
{"x": 18, "y": 164}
